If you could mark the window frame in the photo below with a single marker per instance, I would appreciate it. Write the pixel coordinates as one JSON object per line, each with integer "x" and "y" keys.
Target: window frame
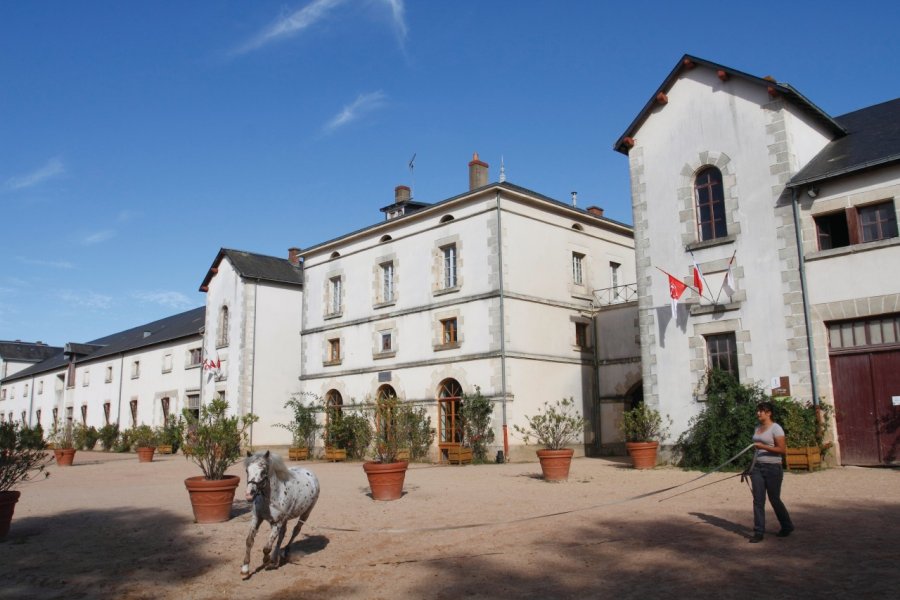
{"x": 714, "y": 204}
{"x": 387, "y": 281}
{"x": 449, "y": 266}
{"x": 716, "y": 356}
{"x": 853, "y": 219}
{"x": 449, "y": 331}
{"x": 578, "y": 268}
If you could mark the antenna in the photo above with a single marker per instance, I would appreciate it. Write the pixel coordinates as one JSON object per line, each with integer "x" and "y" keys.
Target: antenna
{"x": 412, "y": 176}
{"x": 502, "y": 170}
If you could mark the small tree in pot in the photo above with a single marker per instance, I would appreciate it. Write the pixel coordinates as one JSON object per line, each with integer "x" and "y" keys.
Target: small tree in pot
{"x": 643, "y": 427}
{"x": 62, "y": 436}
{"x": 303, "y": 426}
{"x": 386, "y": 474}
{"x": 214, "y": 440}
{"x": 144, "y": 439}
{"x": 554, "y": 428}
{"x": 21, "y": 458}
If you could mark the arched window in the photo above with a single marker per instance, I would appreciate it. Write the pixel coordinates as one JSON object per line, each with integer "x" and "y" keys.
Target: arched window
{"x": 577, "y": 227}
{"x": 222, "y": 339}
{"x": 335, "y": 255}
{"x": 710, "y": 197}
{"x": 449, "y": 422}
{"x": 446, "y": 218}
{"x": 384, "y": 392}
{"x": 386, "y": 238}
{"x": 334, "y": 402}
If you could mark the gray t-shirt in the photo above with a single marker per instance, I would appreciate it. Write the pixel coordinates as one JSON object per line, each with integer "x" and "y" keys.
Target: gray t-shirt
{"x": 767, "y": 437}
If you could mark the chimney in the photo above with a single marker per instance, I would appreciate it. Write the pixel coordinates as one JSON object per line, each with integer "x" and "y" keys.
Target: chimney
{"x": 478, "y": 172}
{"x": 294, "y": 256}
{"x": 595, "y": 210}
{"x": 401, "y": 194}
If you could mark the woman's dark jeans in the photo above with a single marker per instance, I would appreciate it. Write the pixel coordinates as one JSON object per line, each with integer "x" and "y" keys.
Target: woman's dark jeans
{"x": 766, "y": 479}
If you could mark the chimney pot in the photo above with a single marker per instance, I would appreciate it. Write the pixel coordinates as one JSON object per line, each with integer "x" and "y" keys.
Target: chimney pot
{"x": 401, "y": 194}
{"x": 478, "y": 172}
{"x": 294, "y": 256}
{"x": 595, "y": 210}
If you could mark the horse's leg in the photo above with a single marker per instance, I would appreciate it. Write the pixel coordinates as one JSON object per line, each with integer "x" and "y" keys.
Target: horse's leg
{"x": 254, "y": 527}
{"x": 270, "y": 560}
{"x": 276, "y": 551}
{"x": 300, "y": 522}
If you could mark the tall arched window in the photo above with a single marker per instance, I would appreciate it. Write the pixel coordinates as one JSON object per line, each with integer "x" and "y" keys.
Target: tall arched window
{"x": 384, "y": 392}
{"x": 710, "y": 197}
{"x": 223, "y": 327}
{"x": 449, "y": 423}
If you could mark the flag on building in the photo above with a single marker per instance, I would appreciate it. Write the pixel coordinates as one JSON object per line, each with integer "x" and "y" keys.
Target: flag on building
{"x": 698, "y": 277}
{"x": 676, "y": 289}
{"x": 728, "y": 284}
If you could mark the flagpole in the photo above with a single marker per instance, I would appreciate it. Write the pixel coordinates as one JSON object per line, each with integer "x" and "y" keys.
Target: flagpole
{"x": 722, "y": 287}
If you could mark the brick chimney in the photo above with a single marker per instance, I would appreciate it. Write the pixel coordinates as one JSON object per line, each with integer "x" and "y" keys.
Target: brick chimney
{"x": 478, "y": 172}
{"x": 595, "y": 210}
{"x": 401, "y": 194}
{"x": 294, "y": 256}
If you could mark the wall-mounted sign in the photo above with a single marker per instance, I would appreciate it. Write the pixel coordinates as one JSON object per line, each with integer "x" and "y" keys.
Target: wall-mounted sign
{"x": 781, "y": 386}
{"x": 384, "y": 376}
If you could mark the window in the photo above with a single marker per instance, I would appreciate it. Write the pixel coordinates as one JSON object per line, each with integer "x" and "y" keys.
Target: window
{"x": 70, "y": 418}
{"x": 878, "y": 331}
{"x": 449, "y": 422}
{"x": 37, "y": 417}
{"x": 3, "y": 394}
{"x": 449, "y": 331}
{"x": 386, "y": 341}
{"x": 55, "y": 415}
{"x": 710, "y": 204}
{"x": 12, "y": 393}
{"x": 582, "y": 336}
{"x": 167, "y": 363}
{"x": 40, "y": 386}
{"x": 614, "y": 278}
{"x": 164, "y": 402}
{"x": 195, "y": 355}
{"x": 70, "y": 375}
{"x": 24, "y": 418}
{"x": 449, "y": 253}
{"x": 335, "y": 295}
{"x": 856, "y": 225}
{"x": 109, "y": 374}
{"x": 387, "y": 282}
{"x": 193, "y": 404}
{"x": 134, "y": 412}
{"x": 334, "y": 350}
{"x": 25, "y": 395}
{"x": 722, "y": 353}
{"x": 86, "y": 378}
{"x": 222, "y": 337}
{"x": 106, "y": 408}
{"x": 136, "y": 369}
{"x": 577, "y": 268}
{"x": 84, "y": 414}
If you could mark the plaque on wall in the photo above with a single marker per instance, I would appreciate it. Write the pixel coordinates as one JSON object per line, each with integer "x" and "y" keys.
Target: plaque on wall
{"x": 781, "y": 386}
{"x": 384, "y": 376}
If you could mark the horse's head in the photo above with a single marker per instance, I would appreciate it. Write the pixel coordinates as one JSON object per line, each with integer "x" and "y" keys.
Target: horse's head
{"x": 257, "y": 475}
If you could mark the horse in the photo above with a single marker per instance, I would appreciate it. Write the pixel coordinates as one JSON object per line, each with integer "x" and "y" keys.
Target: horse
{"x": 278, "y": 495}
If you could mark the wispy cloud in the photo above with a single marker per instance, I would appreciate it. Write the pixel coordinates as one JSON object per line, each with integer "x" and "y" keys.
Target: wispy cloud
{"x": 53, "y": 168}
{"x": 90, "y": 300}
{"x": 174, "y": 300}
{"x": 398, "y": 13}
{"x": 127, "y": 215}
{"x": 290, "y": 24}
{"x": 364, "y": 103}
{"x": 97, "y": 237}
{"x": 53, "y": 264}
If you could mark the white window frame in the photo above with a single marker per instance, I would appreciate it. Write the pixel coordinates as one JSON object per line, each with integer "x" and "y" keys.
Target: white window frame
{"x": 578, "y": 268}
{"x": 449, "y": 262}
{"x": 335, "y": 287}
{"x": 387, "y": 281}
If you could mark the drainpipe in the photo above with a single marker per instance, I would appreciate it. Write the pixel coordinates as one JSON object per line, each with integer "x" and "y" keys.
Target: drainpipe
{"x": 31, "y": 401}
{"x": 253, "y": 357}
{"x": 598, "y": 442}
{"x": 119, "y": 404}
{"x": 502, "y": 332}
{"x": 804, "y": 293}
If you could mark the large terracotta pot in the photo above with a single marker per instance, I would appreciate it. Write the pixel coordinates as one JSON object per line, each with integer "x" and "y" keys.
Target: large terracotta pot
{"x": 7, "y": 507}
{"x": 386, "y": 479}
{"x": 145, "y": 453}
{"x": 555, "y": 463}
{"x": 64, "y": 456}
{"x": 211, "y": 498}
{"x": 643, "y": 454}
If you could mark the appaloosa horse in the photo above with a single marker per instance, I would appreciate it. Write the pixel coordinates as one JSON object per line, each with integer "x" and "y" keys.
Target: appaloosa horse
{"x": 278, "y": 494}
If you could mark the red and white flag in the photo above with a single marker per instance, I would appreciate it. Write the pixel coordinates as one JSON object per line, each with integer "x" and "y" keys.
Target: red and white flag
{"x": 698, "y": 278}
{"x": 676, "y": 289}
{"x": 728, "y": 284}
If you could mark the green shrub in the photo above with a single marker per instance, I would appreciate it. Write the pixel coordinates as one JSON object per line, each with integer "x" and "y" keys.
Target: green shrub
{"x": 804, "y": 425}
{"x": 172, "y": 433}
{"x": 420, "y": 434}
{"x": 213, "y": 440}
{"x": 303, "y": 426}
{"x": 32, "y": 438}
{"x": 349, "y": 431}
{"x": 108, "y": 435}
{"x": 18, "y": 462}
{"x": 123, "y": 442}
{"x": 555, "y": 427}
{"x": 143, "y": 436}
{"x": 475, "y": 412}
{"x": 85, "y": 438}
{"x": 644, "y": 424}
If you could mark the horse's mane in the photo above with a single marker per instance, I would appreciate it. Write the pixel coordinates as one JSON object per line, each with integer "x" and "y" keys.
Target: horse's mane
{"x": 276, "y": 464}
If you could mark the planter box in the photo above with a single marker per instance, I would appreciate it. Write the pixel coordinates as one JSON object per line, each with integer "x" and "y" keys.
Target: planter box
{"x": 403, "y": 455}
{"x": 298, "y": 453}
{"x": 164, "y": 449}
{"x": 459, "y": 455}
{"x": 335, "y": 454}
{"x": 808, "y": 458}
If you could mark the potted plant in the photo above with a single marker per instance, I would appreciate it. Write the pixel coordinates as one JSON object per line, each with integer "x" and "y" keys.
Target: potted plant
{"x": 347, "y": 435}
{"x": 643, "y": 427}
{"x": 170, "y": 436}
{"x": 805, "y": 427}
{"x": 213, "y": 440}
{"x": 21, "y": 458}
{"x": 476, "y": 412}
{"x": 386, "y": 473}
{"x": 144, "y": 439}
{"x": 63, "y": 438}
{"x": 303, "y": 428}
{"x": 554, "y": 428}
{"x": 109, "y": 433}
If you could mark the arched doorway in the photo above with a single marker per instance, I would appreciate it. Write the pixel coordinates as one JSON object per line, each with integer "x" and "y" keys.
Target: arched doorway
{"x": 334, "y": 403}
{"x": 384, "y": 392}
{"x": 449, "y": 423}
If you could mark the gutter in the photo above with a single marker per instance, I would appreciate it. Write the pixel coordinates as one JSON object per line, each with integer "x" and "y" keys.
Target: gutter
{"x": 805, "y": 294}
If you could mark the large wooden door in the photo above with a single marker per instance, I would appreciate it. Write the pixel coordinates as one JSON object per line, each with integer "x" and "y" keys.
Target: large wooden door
{"x": 886, "y": 379}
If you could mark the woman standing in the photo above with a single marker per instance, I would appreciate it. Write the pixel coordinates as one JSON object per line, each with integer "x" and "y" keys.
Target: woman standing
{"x": 766, "y": 473}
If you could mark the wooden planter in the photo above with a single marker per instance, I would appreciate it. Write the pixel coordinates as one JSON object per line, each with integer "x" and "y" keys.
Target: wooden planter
{"x": 335, "y": 454}
{"x": 164, "y": 448}
{"x": 459, "y": 455}
{"x": 403, "y": 454}
{"x": 298, "y": 453}
{"x": 808, "y": 458}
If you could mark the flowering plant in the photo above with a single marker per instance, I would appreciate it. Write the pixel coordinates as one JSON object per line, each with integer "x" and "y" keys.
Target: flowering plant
{"x": 555, "y": 427}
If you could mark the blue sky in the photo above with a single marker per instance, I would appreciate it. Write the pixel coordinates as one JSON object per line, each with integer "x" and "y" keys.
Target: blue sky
{"x": 137, "y": 138}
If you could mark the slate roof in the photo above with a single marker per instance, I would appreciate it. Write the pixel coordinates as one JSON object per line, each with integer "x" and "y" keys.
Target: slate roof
{"x": 873, "y": 139}
{"x": 165, "y": 330}
{"x": 250, "y": 265}
{"x": 26, "y": 351}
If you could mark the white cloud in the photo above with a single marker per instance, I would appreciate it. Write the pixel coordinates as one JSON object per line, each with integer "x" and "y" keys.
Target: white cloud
{"x": 398, "y": 12}
{"x": 97, "y": 237}
{"x": 91, "y": 300}
{"x": 127, "y": 215}
{"x": 53, "y": 168}
{"x": 291, "y": 24}
{"x": 364, "y": 103}
{"x": 55, "y": 264}
{"x": 175, "y": 300}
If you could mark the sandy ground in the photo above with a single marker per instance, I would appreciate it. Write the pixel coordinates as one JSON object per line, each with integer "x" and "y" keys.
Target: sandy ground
{"x": 109, "y": 527}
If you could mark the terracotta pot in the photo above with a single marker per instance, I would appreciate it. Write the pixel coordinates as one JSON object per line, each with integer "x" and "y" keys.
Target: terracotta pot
{"x": 298, "y": 453}
{"x": 64, "y": 456}
{"x": 643, "y": 454}
{"x": 145, "y": 453}
{"x": 7, "y": 507}
{"x": 555, "y": 463}
{"x": 386, "y": 480}
{"x": 211, "y": 498}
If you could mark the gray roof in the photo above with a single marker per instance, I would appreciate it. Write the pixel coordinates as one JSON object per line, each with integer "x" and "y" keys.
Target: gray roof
{"x": 178, "y": 326}
{"x": 250, "y": 265}
{"x": 26, "y": 351}
{"x": 873, "y": 139}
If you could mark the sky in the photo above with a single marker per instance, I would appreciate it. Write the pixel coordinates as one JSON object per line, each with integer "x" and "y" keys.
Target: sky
{"x": 139, "y": 138}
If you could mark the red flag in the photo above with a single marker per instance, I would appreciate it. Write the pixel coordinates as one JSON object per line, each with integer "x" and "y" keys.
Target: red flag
{"x": 676, "y": 289}
{"x": 698, "y": 278}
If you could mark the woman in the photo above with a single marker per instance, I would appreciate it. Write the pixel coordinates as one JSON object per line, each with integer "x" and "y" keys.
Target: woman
{"x": 766, "y": 473}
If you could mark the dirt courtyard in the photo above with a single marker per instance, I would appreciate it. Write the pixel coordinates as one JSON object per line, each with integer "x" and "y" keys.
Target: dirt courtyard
{"x": 109, "y": 527}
